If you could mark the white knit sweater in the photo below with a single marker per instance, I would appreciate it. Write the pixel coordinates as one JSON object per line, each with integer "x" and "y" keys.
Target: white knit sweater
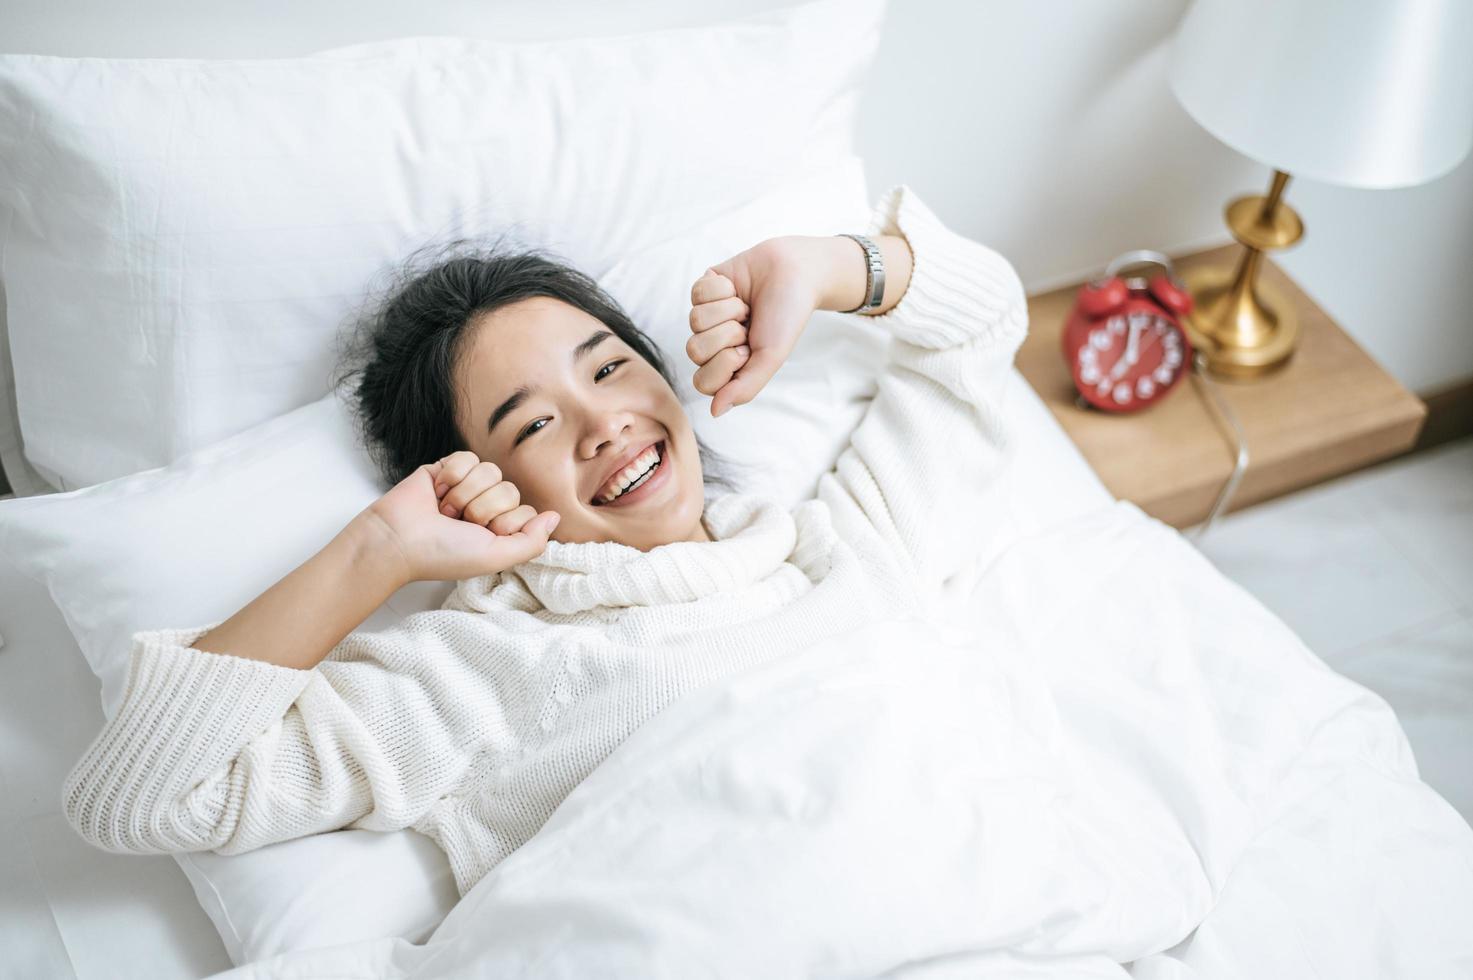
{"x": 472, "y": 723}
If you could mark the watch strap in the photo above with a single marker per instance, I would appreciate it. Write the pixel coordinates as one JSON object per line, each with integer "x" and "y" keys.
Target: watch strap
{"x": 874, "y": 273}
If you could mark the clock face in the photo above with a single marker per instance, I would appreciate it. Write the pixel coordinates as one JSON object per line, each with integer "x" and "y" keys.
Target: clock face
{"x": 1129, "y": 359}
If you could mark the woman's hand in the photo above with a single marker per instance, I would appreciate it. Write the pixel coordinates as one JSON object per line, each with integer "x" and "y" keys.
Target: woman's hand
{"x": 748, "y": 312}
{"x": 457, "y": 518}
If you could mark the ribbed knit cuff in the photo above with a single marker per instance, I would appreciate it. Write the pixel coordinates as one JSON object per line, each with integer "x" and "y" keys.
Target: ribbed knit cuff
{"x": 185, "y": 715}
{"x": 959, "y": 289}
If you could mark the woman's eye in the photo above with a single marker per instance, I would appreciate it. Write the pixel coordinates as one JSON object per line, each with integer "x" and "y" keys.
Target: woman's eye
{"x": 597, "y": 377}
{"x": 529, "y": 430}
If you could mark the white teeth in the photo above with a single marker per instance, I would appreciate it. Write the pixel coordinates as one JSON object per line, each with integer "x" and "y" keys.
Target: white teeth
{"x": 621, "y": 481}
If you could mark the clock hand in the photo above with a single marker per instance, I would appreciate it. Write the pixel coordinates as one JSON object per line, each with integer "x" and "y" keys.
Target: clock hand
{"x": 1130, "y": 356}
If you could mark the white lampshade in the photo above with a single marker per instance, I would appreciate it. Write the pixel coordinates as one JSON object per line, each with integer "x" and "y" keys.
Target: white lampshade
{"x": 1367, "y": 93}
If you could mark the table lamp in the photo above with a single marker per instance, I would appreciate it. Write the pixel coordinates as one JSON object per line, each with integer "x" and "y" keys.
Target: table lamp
{"x": 1364, "y": 93}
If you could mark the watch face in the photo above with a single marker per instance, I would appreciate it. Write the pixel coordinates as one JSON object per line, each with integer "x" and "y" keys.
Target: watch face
{"x": 1129, "y": 359}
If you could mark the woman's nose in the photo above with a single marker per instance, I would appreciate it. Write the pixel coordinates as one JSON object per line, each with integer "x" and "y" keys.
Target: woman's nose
{"x": 606, "y": 427}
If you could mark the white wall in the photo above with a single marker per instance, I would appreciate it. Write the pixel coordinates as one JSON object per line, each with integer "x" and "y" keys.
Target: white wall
{"x": 1045, "y": 129}
{"x": 1048, "y": 130}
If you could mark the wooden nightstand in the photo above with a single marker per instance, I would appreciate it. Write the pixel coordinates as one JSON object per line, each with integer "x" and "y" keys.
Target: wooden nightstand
{"x": 1330, "y": 410}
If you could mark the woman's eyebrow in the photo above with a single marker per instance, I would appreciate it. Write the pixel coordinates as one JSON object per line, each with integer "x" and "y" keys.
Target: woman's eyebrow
{"x": 523, "y": 393}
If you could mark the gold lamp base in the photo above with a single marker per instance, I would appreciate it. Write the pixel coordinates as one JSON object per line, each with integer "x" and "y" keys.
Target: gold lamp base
{"x": 1246, "y": 329}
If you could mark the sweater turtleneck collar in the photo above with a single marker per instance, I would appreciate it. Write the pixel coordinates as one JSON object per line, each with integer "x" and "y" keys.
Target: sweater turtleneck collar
{"x": 751, "y": 536}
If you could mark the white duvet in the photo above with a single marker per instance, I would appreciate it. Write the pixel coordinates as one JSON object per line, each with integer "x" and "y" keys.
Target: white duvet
{"x": 1123, "y": 765}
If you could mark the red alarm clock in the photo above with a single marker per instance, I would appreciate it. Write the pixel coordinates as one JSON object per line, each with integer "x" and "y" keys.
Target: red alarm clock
{"x": 1124, "y": 342}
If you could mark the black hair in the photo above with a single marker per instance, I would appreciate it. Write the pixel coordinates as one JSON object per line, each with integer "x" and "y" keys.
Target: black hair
{"x": 403, "y": 345}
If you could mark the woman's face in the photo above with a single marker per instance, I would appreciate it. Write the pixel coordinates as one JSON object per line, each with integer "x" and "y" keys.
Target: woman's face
{"x": 588, "y": 410}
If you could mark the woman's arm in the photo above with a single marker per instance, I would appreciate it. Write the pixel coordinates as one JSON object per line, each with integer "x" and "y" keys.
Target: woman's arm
{"x": 282, "y": 721}
{"x": 404, "y": 536}
{"x": 216, "y": 752}
{"x": 935, "y": 437}
{"x": 186, "y": 762}
{"x": 298, "y": 621}
{"x": 937, "y": 432}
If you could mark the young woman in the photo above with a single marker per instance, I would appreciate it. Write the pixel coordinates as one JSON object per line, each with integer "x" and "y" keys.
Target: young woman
{"x": 541, "y": 459}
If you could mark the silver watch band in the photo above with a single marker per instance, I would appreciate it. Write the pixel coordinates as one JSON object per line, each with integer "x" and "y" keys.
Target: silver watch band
{"x": 874, "y": 273}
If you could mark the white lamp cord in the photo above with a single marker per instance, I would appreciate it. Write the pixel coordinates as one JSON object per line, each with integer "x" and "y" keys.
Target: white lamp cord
{"x": 1240, "y": 441}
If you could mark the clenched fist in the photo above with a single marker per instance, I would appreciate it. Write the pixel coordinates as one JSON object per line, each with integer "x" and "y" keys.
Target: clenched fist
{"x": 748, "y": 312}
{"x": 457, "y": 518}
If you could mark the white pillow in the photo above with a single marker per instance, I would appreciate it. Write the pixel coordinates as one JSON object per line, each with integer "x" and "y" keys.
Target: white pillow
{"x": 20, "y": 475}
{"x": 183, "y": 238}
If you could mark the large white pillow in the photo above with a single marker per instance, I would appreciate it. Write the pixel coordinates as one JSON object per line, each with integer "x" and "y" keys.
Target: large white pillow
{"x": 183, "y": 238}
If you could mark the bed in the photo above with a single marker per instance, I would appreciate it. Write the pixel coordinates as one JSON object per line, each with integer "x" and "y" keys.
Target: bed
{"x": 1318, "y": 887}
{"x": 1116, "y": 762}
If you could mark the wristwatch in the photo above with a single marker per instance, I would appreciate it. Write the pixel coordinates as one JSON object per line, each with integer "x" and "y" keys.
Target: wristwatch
{"x": 874, "y": 274}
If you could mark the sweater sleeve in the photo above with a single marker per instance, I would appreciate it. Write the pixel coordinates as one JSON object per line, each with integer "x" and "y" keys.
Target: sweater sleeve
{"x": 936, "y": 432}
{"x": 209, "y": 751}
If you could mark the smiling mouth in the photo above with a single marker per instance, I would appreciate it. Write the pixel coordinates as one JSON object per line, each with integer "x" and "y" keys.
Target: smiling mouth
{"x": 659, "y": 446}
